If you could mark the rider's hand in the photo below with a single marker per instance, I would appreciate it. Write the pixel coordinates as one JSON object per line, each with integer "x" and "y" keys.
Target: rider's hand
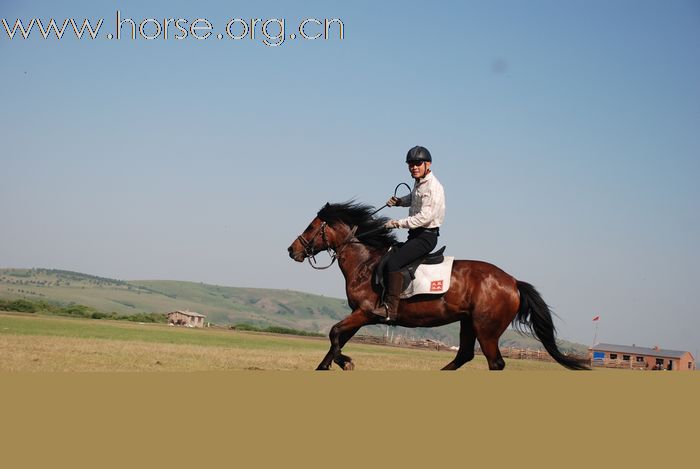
{"x": 392, "y": 201}
{"x": 391, "y": 224}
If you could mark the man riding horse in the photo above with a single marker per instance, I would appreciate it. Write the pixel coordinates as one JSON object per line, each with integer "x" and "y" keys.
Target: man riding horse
{"x": 482, "y": 297}
{"x": 426, "y": 213}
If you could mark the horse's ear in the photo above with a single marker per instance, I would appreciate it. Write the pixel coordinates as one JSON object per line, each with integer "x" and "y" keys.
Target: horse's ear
{"x": 328, "y": 204}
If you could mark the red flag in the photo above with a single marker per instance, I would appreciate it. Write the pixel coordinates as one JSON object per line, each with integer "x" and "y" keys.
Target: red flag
{"x": 596, "y": 318}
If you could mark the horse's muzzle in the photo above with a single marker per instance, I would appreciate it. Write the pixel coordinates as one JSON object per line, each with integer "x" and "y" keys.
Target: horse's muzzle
{"x": 297, "y": 256}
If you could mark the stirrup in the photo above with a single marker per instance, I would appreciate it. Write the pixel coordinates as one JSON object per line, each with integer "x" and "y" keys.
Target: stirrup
{"x": 385, "y": 309}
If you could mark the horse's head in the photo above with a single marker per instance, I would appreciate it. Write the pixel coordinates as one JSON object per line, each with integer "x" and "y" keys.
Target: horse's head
{"x": 318, "y": 236}
{"x": 313, "y": 240}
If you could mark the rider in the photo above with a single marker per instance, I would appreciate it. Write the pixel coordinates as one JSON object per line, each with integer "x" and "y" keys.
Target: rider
{"x": 425, "y": 215}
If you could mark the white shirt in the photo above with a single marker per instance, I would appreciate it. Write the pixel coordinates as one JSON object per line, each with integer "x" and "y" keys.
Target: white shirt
{"x": 427, "y": 204}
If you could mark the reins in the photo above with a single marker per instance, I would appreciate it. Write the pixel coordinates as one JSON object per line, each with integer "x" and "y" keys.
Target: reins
{"x": 332, "y": 252}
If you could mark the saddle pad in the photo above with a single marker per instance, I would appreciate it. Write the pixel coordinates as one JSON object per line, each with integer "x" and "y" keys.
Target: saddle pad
{"x": 430, "y": 279}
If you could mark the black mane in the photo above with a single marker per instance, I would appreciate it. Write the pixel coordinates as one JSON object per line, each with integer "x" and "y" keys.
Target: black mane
{"x": 360, "y": 215}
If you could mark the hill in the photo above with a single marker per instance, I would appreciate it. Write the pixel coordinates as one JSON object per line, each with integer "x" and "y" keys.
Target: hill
{"x": 222, "y": 305}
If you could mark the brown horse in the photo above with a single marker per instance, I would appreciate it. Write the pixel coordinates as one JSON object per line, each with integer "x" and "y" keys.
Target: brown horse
{"x": 482, "y": 297}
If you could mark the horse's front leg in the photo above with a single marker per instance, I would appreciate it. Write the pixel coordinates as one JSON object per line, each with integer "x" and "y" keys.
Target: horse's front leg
{"x": 339, "y": 335}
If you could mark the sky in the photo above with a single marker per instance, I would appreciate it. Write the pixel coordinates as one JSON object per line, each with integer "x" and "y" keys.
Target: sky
{"x": 565, "y": 135}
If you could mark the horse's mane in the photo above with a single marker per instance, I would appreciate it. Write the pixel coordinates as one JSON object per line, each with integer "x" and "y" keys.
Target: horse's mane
{"x": 360, "y": 215}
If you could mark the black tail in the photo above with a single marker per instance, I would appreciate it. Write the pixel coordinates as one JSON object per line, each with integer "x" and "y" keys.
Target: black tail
{"x": 537, "y": 317}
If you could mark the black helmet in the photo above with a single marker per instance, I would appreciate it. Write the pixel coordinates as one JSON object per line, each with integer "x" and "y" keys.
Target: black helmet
{"x": 418, "y": 153}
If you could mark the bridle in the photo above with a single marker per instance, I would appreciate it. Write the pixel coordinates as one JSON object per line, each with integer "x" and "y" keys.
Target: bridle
{"x": 332, "y": 251}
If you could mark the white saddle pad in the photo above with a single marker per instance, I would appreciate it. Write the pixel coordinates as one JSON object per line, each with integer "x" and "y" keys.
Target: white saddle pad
{"x": 430, "y": 279}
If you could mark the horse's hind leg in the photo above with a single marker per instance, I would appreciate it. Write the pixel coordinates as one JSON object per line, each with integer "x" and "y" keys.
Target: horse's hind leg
{"x": 492, "y": 353}
{"x": 467, "y": 338}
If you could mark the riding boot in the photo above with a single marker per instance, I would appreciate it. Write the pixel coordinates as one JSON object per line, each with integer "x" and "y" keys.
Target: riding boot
{"x": 389, "y": 309}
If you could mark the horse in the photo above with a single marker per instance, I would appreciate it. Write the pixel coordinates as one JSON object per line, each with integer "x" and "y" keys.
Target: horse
{"x": 482, "y": 297}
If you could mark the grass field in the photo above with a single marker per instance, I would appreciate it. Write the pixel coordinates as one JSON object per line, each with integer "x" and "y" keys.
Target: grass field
{"x": 46, "y": 343}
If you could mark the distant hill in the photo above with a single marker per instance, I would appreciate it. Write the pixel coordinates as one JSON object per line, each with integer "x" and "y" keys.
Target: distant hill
{"x": 222, "y": 305}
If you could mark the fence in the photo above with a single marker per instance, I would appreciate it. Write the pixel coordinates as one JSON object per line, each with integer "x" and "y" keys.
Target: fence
{"x": 620, "y": 364}
{"x": 506, "y": 352}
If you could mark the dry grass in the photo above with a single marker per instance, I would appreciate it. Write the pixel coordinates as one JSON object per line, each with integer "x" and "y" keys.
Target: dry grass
{"x": 42, "y": 353}
{"x": 51, "y": 344}
{"x": 60, "y": 354}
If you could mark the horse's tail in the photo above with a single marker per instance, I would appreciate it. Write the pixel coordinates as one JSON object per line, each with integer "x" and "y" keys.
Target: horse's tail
{"x": 536, "y": 316}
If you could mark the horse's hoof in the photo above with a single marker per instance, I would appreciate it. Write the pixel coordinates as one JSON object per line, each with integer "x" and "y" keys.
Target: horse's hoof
{"x": 349, "y": 366}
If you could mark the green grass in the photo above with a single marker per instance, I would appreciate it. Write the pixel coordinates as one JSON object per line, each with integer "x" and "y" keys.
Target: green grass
{"x": 116, "y": 330}
{"x": 274, "y": 330}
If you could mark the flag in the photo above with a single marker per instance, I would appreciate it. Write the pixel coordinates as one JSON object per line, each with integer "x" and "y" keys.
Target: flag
{"x": 596, "y": 318}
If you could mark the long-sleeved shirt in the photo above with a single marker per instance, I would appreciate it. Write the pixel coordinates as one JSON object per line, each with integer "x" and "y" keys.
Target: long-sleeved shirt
{"x": 426, "y": 202}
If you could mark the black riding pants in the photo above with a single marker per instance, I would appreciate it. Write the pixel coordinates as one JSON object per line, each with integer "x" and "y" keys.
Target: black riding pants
{"x": 420, "y": 242}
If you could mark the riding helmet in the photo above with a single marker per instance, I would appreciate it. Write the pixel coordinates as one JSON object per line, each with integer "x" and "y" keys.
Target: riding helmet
{"x": 418, "y": 153}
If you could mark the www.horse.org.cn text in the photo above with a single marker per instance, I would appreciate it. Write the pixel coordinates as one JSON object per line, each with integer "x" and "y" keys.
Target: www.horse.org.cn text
{"x": 271, "y": 32}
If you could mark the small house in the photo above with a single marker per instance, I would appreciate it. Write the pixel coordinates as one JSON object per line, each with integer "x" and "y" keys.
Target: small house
{"x": 186, "y": 318}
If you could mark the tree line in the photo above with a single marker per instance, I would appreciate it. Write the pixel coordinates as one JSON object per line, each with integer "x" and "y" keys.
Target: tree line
{"x": 76, "y": 310}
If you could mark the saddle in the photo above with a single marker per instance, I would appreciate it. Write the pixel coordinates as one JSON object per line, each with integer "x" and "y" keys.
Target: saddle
{"x": 408, "y": 272}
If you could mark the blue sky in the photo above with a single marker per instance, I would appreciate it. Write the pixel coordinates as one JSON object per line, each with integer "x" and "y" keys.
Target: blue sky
{"x": 565, "y": 134}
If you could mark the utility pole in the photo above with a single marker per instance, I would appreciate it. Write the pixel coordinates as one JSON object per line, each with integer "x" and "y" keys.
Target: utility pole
{"x": 596, "y": 320}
